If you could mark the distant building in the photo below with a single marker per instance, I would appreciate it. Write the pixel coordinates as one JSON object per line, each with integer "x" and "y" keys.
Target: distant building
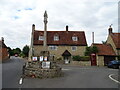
{"x": 114, "y": 40}
{"x": 3, "y": 50}
{"x": 60, "y": 44}
{"x": 109, "y": 50}
{"x": 105, "y": 54}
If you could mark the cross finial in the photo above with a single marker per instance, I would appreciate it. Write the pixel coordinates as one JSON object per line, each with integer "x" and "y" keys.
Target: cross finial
{"x": 45, "y": 14}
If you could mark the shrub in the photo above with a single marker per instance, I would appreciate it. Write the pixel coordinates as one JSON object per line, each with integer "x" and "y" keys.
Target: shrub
{"x": 59, "y": 58}
{"x": 76, "y": 58}
{"x": 85, "y": 58}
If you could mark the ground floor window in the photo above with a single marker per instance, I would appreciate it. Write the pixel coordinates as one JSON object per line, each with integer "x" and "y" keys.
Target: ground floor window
{"x": 74, "y": 48}
{"x": 53, "y": 47}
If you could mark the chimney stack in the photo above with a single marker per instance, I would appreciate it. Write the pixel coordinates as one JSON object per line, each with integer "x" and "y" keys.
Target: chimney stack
{"x": 67, "y": 28}
{"x": 2, "y": 39}
{"x": 110, "y": 29}
{"x": 33, "y": 27}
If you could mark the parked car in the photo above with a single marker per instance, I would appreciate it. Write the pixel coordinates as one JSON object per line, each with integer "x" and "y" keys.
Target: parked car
{"x": 114, "y": 64}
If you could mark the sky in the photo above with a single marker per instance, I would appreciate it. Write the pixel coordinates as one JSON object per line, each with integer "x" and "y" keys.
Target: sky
{"x": 17, "y": 17}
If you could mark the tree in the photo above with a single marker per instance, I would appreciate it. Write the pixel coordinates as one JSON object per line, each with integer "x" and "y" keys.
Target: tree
{"x": 25, "y": 50}
{"x": 17, "y": 51}
{"x": 90, "y": 50}
{"x": 94, "y": 49}
{"x": 87, "y": 51}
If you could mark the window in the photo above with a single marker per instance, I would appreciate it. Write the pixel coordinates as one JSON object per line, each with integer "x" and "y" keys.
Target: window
{"x": 41, "y": 38}
{"x": 56, "y": 38}
{"x": 53, "y": 47}
{"x": 74, "y": 48}
{"x": 74, "y": 38}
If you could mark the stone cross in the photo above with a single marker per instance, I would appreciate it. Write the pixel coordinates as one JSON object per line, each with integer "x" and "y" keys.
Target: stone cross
{"x": 45, "y": 31}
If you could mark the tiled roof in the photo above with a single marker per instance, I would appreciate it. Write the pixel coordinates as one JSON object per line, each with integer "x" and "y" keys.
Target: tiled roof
{"x": 65, "y": 38}
{"x": 116, "y": 39}
{"x": 66, "y": 53}
{"x": 105, "y": 49}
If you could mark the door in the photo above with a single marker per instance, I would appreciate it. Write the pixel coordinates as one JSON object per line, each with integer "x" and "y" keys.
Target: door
{"x": 66, "y": 58}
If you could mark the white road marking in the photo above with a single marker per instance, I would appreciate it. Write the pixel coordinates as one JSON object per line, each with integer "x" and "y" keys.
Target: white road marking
{"x": 110, "y": 76}
{"x": 65, "y": 69}
{"x": 21, "y": 81}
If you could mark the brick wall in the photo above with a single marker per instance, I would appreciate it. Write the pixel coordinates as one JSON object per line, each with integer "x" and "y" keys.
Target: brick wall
{"x": 3, "y": 54}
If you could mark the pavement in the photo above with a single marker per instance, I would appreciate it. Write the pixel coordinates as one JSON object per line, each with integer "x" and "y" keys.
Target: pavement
{"x": 74, "y": 77}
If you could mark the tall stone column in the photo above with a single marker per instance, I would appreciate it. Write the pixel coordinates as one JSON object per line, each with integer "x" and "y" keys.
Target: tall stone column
{"x": 31, "y": 53}
{"x": 45, "y": 31}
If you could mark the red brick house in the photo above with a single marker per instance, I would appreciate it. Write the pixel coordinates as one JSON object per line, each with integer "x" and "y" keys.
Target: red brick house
{"x": 3, "y": 50}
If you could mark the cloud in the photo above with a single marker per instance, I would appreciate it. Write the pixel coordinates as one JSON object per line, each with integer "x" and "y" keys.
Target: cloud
{"x": 17, "y": 17}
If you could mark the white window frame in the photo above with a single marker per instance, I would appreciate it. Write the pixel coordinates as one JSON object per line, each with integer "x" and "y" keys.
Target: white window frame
{"x": 75, "y": 38}
{"x": 56, "y": 38}
{"x": 53, "y": 47}
{"x": 74, "y": 48}
{"x": 41, "y": 38}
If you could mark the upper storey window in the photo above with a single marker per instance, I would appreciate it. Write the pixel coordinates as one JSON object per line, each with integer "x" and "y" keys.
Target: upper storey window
{"x": 75, "y": 38}
{"x": 41, "y": 38}
{"x": 56, "y": 38}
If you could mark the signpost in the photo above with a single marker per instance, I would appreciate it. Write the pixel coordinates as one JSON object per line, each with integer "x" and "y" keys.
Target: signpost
{"x": 46, "y": 65}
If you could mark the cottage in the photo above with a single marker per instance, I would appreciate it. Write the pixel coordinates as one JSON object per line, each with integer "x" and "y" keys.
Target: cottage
{"x": 60, "y": 44}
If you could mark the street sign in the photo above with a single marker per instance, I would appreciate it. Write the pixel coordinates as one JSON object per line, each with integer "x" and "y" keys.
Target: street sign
{"x": 34, "y": 58}
{"x": 46, "y": 65}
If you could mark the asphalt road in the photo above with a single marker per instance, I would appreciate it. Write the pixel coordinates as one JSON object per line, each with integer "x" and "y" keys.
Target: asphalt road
{"x": 74, "y": 77}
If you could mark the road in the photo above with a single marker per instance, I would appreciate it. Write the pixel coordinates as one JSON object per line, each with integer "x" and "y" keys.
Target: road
{"x": 74, "y": 77}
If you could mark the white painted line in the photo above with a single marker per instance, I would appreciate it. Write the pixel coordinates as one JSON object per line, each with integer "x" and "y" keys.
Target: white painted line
{"x": 110, "y": 76}
{"x": 21, "y": 81}
{"x": 65, "y": 69}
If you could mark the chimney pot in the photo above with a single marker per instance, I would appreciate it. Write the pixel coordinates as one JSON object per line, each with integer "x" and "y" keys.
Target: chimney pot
{"x": 67, "y": 28}
{"x": 110, "y": 29}
{"x": 2, "y": 39}
{"x": 33, "y": 27}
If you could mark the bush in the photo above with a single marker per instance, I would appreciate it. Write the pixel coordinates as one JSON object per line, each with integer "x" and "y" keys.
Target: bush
{"x": 85, "y": 58}
{"x": 59, "y": 58}
{"x": 76, "y": 58}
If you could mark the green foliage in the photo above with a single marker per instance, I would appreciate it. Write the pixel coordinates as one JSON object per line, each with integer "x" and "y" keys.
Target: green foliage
{"x": 85, "y": 58}
{"x": 90, "y": 50}
{"x": 76, "y": 58}
{"x": 14, "y": 51}
{"x": 22, "y": 55}
{"x": 87, "y": 51}
{"x": 25, "y": 50}
{"x": 94, "y": 49}
{"x": 59, "y": 58}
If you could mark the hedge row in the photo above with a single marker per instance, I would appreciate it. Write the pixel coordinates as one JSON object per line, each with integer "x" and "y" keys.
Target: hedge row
{"x": 81, "y": 58}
